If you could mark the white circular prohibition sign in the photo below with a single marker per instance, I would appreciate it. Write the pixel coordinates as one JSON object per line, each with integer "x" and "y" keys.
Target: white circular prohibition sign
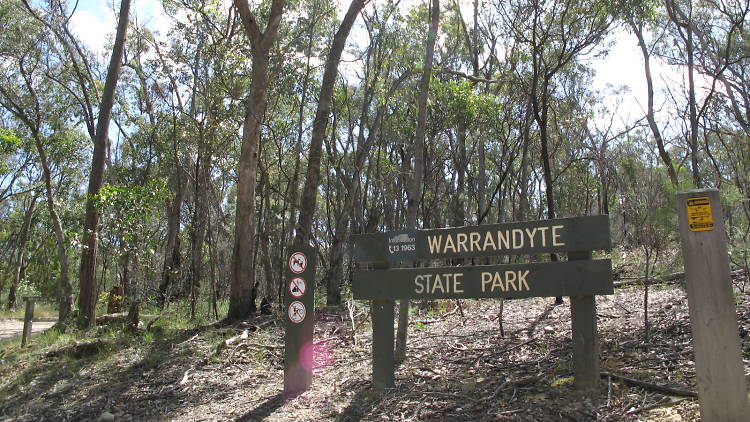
{"x": 297, "y": 312}
{"x": 297, "y": 287}
{"x": 298, "y": 262}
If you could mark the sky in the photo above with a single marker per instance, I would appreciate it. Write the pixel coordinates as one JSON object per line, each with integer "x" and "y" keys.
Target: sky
{"x": 95, "y": 22}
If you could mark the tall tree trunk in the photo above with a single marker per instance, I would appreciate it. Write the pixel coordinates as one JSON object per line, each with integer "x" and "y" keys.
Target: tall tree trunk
{"x": 65, "y": 289}
{"x": 293, "y": 190}
{"x": 200, "y": 220}
{"x": 650, "y": 114}
{"x": 459, "y": 210}
{"x": 414, "y": 192}
{"x": 171, "y": 268}
{"x": 320, "y": 124}
{"x": 541, "y": 110}
{"x": 20, "y": 264}
{"x": 87, "y": 297}
{"x": 684, "y": 22}
{"x": 269, "y": 285}
{"x": 523, "y": 182}
{"x": 693, "y": 136}
{"x": 481, "y": 182}
{"x": 242, "y": 279}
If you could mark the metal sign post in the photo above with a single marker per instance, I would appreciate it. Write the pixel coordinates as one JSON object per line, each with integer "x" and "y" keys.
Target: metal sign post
{"x": 299, "y": 279}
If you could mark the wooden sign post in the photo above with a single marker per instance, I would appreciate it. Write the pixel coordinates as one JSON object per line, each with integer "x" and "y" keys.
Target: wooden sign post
{"x": 580, "y": 277}
{"x": 28, "y": 320}
{"x": 300, "y": 314}
{"x": 722, "y": 389}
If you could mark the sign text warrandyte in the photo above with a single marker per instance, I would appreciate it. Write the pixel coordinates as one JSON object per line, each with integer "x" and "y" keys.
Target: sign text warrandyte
{"x": 558, "y": 235}
{"x": 572, "y": 278}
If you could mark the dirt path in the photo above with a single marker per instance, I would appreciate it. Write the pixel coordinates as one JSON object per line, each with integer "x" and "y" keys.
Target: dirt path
{"x": 458, "y": 368}
{"x": 10, "y": 328}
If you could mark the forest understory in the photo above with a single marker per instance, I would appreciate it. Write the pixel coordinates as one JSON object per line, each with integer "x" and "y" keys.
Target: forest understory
{"x": 459, "y": 367}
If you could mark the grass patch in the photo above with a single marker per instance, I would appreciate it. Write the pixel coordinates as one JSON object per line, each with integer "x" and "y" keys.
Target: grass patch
{"x": 41, "y": 310}
{"x": 561, "y": 382}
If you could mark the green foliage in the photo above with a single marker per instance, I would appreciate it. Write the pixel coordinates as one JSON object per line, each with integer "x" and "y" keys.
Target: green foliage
{"x": 131, "y": 208}
{"x": 9, "y": 142}
{"x": 457, "y": 103}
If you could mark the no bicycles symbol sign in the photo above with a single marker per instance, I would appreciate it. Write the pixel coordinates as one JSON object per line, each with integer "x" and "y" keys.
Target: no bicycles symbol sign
{"x": 297, "y": 312}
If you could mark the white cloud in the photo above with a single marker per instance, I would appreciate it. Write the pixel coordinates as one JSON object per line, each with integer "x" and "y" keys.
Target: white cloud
{"x": 150, "y": 13}
{"x": 94, "y": 22}
{"x": 94, "y": 29}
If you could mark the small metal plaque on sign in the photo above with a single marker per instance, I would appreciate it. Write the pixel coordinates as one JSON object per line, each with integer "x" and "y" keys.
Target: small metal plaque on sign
{"x": 700, "y": 217}
{"x": 402, "y": 246}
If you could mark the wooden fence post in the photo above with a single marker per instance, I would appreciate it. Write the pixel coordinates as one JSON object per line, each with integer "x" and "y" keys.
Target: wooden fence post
{"x": 585, "y": 339}
{"x": 28, "y": 318}
{"x": 720, "y": 373}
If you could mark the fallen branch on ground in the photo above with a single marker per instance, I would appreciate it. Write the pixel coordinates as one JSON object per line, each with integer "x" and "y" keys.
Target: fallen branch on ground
{"x": 666, "y": 401}
{"x": 650, "y": 386}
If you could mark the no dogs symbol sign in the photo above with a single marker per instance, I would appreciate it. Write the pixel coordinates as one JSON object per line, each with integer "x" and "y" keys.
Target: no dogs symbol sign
{"x": 298, "y": 263}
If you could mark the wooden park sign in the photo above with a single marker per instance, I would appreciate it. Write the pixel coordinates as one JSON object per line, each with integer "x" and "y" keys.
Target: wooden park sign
{"x": 580, "y": 277}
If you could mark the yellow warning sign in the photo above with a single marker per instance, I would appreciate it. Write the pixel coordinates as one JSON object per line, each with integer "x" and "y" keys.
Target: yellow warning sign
{"x": 699, "y": 214}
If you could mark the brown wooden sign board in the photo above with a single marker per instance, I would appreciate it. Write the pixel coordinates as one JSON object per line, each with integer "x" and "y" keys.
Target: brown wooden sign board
{"x": 580, "y": 277}
{"x": 574, "y": 278}
{"x": 526, "y": 237}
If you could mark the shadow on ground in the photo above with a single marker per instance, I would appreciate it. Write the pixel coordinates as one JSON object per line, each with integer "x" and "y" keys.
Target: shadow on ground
{"x": 264, "y": 409}
{"x": 72, "y": 375}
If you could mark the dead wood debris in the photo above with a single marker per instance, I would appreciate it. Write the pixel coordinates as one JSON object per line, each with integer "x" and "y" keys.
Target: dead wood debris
{"x": 652, "y": 386}
{"x": 454, "y": 371}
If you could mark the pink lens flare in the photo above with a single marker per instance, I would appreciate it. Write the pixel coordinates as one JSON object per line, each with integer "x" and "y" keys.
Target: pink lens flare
{"x": 315, "y": 356}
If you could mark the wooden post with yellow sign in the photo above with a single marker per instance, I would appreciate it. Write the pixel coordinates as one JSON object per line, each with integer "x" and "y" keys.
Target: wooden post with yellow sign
{"x": 722, "y": 389}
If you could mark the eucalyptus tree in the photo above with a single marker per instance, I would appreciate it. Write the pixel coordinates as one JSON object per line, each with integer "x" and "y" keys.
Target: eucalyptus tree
{"x": 100, "y": 137}
{"x": 554, "y": 34}
{"x": 242, "y": 294}
{"x": 20, "y": 263}
{"x": 706, "y": 42}
{"x": 684, "y": 25}
{"x": 15, "y": 159}
{"x": 639, "y": 19}
{"x": 95, "y": 108}
{"x": 36, "y": 64}
{"x": 363, "y": 109}
{"x": 206, "y": 48}
{"x": 320, "y": 124}
{"x": 414, "y": 188}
